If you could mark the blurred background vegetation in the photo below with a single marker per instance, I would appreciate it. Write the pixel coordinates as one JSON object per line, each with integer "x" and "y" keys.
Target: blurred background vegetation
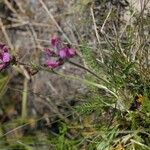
{"x": 97, "y": 101}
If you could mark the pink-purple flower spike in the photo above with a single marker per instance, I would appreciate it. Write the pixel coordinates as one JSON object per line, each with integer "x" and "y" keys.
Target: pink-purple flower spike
{"x": 60, "y": 52}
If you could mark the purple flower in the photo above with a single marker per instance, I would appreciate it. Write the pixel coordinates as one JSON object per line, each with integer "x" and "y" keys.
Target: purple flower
{"x": 67, "y": 53}
{"x": 71, "y": 52}
{"x": 5, "y": 57}
{"x": 50, "y": 52}
{"x": 55, "y": 41}
{"x": 63, "y": 53}
{"x": 53, "y": 64}
{"x": 59, "y": 52}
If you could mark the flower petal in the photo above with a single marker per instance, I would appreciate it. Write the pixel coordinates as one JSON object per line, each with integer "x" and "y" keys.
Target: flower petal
{"x": 6, "y": 57}
{"x": 53, "y": 64}
{"x": 55, "y": 41}
{"x": 71, "y": 52}
{"x": 67, "y": 53}
{"x": 63, "y": 53}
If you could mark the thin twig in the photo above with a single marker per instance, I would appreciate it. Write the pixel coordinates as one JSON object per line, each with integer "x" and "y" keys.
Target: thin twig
{"x": 6, "y": 35}
{"x": 96, "y": 33}
{"x": 53, "y": 19}
{"x": 24, "y": 99}
{"x": 102, "y": 28}
{"x": 95, "y": 26}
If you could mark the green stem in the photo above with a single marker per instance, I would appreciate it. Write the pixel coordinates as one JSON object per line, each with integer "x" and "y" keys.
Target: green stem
{"x": 88, "y": 70}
